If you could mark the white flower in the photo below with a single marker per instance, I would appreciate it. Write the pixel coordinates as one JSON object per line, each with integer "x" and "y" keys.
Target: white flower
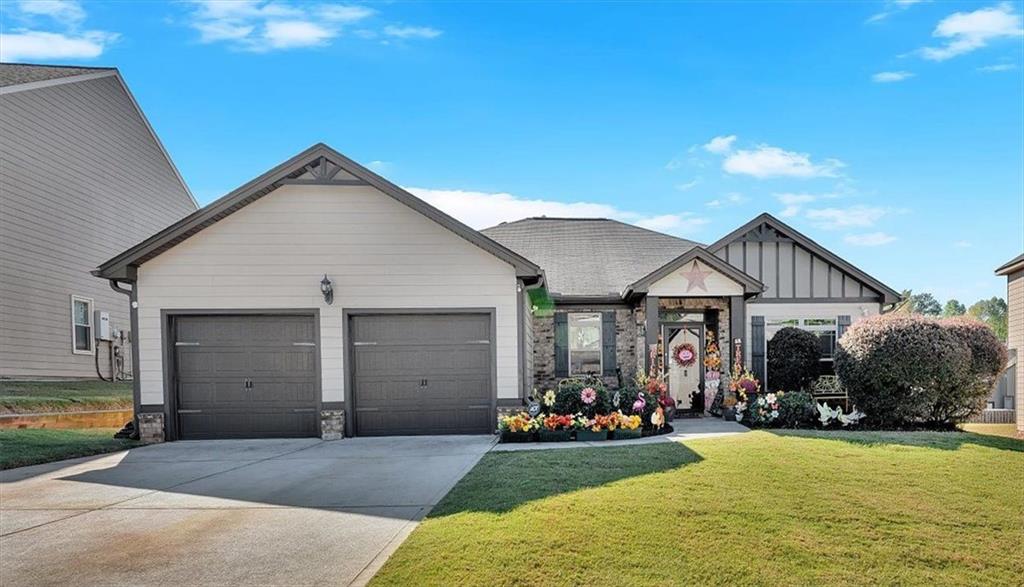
{"x": 770, "y": 398}
{"x": 739, "y": 416}
{"x": 775, "y": 413}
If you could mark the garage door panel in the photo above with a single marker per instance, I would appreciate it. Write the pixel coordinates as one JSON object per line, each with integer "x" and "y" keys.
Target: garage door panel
{"x": 422, "y": 374}
{"x": 222, "y": 353}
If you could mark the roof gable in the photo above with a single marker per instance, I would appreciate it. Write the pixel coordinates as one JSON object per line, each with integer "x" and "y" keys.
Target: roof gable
{"x": 695, "y": 258}
{"x": 318, "y": 165}
{"x": 765, "y": 229}
{"x": 1014, "y": 264}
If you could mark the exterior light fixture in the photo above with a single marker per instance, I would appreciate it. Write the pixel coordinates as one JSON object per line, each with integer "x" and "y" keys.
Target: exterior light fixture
{"x": 327, "y": 290}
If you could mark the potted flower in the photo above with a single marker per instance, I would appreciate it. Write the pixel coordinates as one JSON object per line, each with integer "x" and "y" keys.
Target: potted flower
{"x": 628, "y": 427}
{"x": 555, "y": 428}
{"x": 518, "y": 427}
{"x": 729, "y": 407}
{"x": 591, "y": 429}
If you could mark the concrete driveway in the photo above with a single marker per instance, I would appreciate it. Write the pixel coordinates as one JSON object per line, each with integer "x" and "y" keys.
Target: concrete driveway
{"x": 263, "y": 512}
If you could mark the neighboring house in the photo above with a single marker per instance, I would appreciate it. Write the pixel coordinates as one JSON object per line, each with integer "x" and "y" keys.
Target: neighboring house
{"x": 82, "y": 176}
{"x": 321, "y": 299}
{"x": 1014, "y": 272}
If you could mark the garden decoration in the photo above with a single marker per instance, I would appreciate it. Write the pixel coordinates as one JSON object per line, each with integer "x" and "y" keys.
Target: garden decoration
{"x": 827, "y": 416}
{"x": 712, "y": 374}
{"x": 684, "y": 354}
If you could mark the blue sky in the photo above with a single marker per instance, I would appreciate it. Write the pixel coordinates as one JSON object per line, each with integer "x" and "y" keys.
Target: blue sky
{"x": 891, "y": 132}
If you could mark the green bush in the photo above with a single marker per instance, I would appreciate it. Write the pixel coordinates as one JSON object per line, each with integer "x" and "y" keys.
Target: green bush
{"x": 568, "y": 397}
{"x": 793, "y": 359}
{"x": 958, "y": 402}
{"x": 896, "y": 369}
{"x": 796, "y": 410}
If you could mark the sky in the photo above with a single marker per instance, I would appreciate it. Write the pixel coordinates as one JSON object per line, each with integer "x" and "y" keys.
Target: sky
{"x": 891, "y": 132}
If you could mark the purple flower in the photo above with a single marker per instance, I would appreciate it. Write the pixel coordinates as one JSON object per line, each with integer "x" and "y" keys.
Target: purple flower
{"x": 588, "y": 395}
{"x": 748, "y": 385}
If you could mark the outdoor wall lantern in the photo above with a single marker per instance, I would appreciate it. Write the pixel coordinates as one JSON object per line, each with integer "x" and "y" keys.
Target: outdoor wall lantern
{"x": 327, "y": 290}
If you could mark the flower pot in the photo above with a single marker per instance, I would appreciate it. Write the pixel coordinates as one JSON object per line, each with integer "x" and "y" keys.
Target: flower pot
{"x": 554, "y": 435}
{"x": 589, "y": 435}
{"x": 509, "y": 436}
{"x": 624, "y": 434}
{"x": 729, "y": 414}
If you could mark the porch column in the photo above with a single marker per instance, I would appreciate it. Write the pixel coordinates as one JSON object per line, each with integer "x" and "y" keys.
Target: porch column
{"x": 737, "y": 326}
{"x": 651, "y": 328}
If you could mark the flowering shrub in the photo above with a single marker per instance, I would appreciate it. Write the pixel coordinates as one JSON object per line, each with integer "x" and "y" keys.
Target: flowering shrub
{"x": 521, "y": 422}
{"x": 758, "y": 412}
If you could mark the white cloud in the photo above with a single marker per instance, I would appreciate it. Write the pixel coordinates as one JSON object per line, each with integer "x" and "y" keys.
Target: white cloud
{"x": 884, "y": 77}
{"x": 25, "y": 45}
{"x": 852, "y": 217}
{"x": 720, "y": 145}
{"x": 767, "y": 161}
{"x": 68, "y": 12}
{"x": 968, "y": 31}
{"x": 962, "y": 244}
{"x": 731, "y": 198}
{"x": 997, "y": 67}
{"x": 288, "y": 34}
{"x": 483, "y": 209}
{"x": 870, "y": 239}
{"x": 794, "y": 203}
{"x": 411, "y": 32}
{"x": 688, "y": 185}
{"x": 380, "y": 166}
{"x": 61, "y": 39}
{"x": 892, "y": 7}
{"x": 261, "y": 26}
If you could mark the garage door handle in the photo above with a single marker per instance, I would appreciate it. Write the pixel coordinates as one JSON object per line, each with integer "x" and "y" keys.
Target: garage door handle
{"x": 478, "y": 342}
{"x": 186, "y": 344}
{"x": 303, "y": 344}
{"x": 364, "y": 344}
{"x": 367, "y": 409}
{"x": 190, "y": 411}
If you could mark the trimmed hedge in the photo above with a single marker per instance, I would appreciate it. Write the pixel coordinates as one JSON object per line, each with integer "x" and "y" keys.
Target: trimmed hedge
{"x": 793, "y": 359}
{"x": 911, "y": 370}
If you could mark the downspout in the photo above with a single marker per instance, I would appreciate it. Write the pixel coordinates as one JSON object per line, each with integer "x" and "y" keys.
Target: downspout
{"x": 133, "y": 297}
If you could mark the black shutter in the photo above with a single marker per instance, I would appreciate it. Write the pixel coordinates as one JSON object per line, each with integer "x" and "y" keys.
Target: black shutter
{"x": 608, "y": 342}
{"x": 561, "y": 344}
{"x": 843, "y": 324}
{"x": 757, "y": 348}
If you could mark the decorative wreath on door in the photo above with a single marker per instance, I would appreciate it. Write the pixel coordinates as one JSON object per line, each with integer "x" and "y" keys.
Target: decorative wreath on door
{"x": 684, "y": 354}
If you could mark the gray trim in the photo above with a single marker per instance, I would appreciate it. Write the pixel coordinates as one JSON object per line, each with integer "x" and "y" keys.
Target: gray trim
{"x": 332, "y": 405}
{"x": 651, "y": 319}
{"x": 1011, "y": 266}
{"x": 13, "y": 89}
{"x": 737, "y": 325}
{"x": 133, "y": 313}
{"x": 842, "y": 323}
{"x": 888, "y": 294}
{"x": 167, "y": 316}
{"x": 521, "y": 336}
{"x": 751, "y": 286}
{"x": 271, "y": 180}
{"x": 758, "y": 356}
{"x": 338, "y": 182}
{"x": 614, "y": 299}
{"x": 506, "y": 402}
{"x": 346, "y": 321}
{"x": 560, "y": 322}
{"x": 860, "y": 300}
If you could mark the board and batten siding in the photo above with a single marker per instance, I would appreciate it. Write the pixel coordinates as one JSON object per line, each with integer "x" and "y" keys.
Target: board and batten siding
{"x": 378, "y": 253}
{"x": 788, "y": 270}
{"x": 1015, "y": 335}
{"x": 81, "y": 179}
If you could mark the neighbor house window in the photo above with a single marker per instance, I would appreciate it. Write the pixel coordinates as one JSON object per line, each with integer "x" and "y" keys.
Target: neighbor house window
{"x": 81, "y": 325}
{"x": 585, "y": 344}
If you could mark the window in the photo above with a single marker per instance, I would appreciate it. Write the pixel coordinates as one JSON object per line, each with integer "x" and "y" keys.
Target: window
{"x": 81, "y": 325}
{"x": 585, "y": 344}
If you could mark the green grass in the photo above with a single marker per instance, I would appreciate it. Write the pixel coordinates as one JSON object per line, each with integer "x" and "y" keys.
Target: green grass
{"x": 24, "y": 397}
{"x": 1007, "y": 430}
{"x": 764, "y": 508}
{"x": 31, "y": 446}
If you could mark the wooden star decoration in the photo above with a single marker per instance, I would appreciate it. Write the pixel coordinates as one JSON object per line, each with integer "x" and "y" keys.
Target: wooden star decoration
{"x": 695, "y": 278}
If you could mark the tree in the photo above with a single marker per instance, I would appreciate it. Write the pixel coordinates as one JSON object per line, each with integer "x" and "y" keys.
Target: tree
{"x": 993, "y": 312}
{"x": 953, "y": 308}
{"x": 925, "y": 303}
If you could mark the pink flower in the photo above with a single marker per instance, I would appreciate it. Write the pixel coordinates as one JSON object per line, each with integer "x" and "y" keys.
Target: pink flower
{"x": 588, "y": 395}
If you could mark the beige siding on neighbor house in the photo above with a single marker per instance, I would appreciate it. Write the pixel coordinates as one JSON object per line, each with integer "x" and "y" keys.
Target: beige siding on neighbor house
{"x": 378, "y": 252}
{"x": 81, "y": 179}
{"x": 1015, "y": 335}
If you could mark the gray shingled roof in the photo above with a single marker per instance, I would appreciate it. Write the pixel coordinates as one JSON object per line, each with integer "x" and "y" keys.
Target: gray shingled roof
{"x": 12, "y": 74}
{"x": 589, "y": 256}
{"x": 1002, "y": 270}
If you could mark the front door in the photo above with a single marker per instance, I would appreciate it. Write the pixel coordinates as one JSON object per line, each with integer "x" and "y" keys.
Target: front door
{"x": 684, "y": 364}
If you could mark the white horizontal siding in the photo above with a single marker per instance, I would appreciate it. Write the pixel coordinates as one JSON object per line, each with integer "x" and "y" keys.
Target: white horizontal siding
{"x": 273, "y": 253}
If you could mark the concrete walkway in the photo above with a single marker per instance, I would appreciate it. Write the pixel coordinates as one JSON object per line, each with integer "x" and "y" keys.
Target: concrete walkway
{"x": 684, "y": 429}
{"x": 238, "y": 512}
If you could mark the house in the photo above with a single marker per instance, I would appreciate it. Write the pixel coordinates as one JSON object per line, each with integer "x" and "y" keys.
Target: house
{"x": 82, "y": 177}
{"x": 1014, "y": 272}
{"x": 321, "y": 299}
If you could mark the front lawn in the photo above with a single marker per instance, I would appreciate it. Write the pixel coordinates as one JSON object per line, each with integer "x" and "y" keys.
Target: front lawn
{"x": 24, "y": 397}
{"x": 29, "y": 446}
{"x": 768, "y": 508}
{"x": 1007, "y": 430}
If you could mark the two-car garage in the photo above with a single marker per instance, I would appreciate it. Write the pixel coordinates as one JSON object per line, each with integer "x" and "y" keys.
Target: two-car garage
{"x": 256, "y": 375}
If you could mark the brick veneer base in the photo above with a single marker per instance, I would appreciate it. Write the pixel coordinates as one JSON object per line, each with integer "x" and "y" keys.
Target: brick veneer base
{"x": 151, "y": 427}
{"x": 332, "y": 424}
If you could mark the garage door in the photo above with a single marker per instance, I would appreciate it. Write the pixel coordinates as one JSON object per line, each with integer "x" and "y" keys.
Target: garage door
{"x": 422, "y": 374}
{"x": 246, "y": 376}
